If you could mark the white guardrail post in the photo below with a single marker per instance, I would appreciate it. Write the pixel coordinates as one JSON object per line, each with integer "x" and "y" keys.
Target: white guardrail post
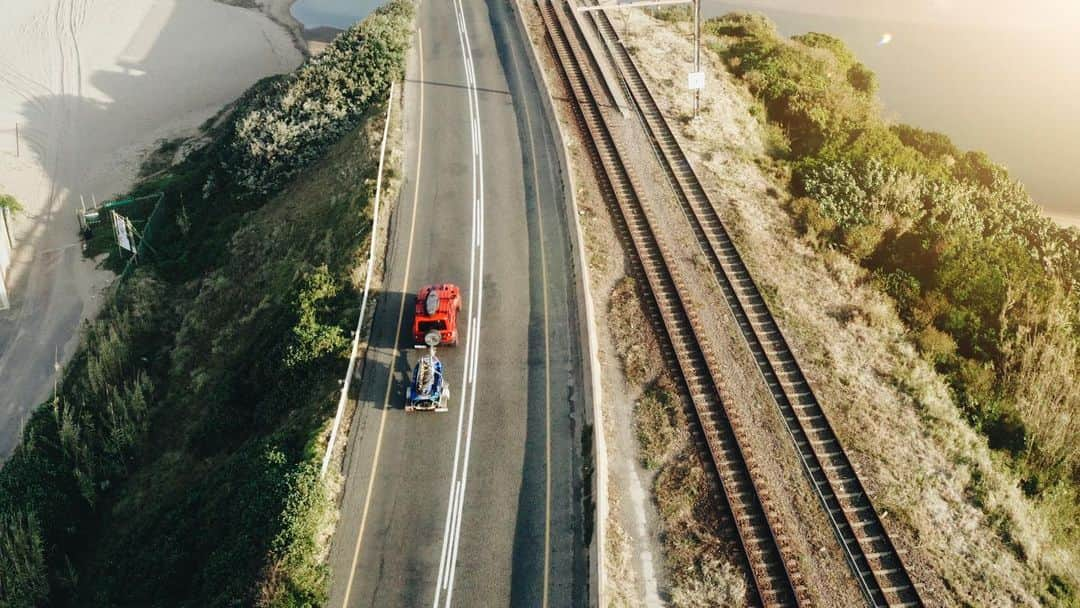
{"x": 363, "y": 303}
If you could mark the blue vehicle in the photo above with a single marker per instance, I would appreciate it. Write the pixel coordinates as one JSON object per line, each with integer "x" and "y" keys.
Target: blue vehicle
{"x": 429, "y": 392}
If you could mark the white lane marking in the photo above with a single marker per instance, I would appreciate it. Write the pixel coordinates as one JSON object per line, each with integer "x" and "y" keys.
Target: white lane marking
{"x": 479, "y": 164}
{"x": 441, "y": 579}
{"x": 456, "y": 498}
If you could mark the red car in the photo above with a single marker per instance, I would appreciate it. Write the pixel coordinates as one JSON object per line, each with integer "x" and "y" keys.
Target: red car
{"x": 437, "y": 308}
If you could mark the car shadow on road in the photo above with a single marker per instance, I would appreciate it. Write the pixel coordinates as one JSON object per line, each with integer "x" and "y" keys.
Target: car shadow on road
{"x": 381, "y": 364}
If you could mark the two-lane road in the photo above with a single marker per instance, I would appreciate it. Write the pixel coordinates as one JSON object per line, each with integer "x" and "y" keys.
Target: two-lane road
{"x": 480, "y": 506}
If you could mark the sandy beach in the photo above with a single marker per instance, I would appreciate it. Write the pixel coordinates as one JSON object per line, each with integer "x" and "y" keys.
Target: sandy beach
{"x": 92, "y": 86}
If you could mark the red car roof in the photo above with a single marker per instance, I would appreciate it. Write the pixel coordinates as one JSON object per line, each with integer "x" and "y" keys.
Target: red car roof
{"x": 445, "y": 292}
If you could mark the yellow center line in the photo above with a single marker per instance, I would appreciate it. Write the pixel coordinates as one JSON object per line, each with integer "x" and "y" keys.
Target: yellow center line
{"x": 397, "y": 332}
{"x": 547, "y": 348}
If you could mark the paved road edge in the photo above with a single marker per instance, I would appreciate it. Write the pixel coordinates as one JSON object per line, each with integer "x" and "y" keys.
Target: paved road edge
{"x": 594, "y": 396}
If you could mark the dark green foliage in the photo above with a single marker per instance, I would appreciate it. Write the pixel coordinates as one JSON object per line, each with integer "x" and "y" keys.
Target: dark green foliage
{"x": 23, "y": 578}
{"x": 312, "y": 337}
{"x": 930, "y": 144}
{"x": 862, "y": 79}
{"x": 178, "y": 463}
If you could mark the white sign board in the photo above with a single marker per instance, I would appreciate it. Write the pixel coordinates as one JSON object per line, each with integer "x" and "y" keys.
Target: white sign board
{"x": 696, "y": 81}
{"x": 122, "y": 237}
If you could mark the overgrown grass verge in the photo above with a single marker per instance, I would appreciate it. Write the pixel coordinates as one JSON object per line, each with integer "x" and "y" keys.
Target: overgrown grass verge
{"x": 698, "y": 561}
{"x": 179, "y": 462}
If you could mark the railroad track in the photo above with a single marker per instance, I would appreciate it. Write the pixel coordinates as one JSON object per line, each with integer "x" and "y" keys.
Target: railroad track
{"x": 870, "y": 552}
{"x": 772, "y": 565}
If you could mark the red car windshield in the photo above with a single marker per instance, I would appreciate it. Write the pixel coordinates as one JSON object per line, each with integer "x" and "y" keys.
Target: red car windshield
{"x": 426, "y": 326}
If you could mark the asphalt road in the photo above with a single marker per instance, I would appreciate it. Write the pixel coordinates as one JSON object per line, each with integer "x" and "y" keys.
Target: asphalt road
{"x": 480, "y": 506}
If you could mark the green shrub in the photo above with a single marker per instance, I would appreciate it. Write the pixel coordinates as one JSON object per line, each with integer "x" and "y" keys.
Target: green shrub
{"x": 809, "y": 217}
{"x": 313, "y": 338}
{"x": 936, "y": 345}
{"x": 291, "y": 121}
{"x": 653, "y": 414}
{"x": 862, "y": 79}
{"x": 23, "y": 575}
{"x": 904, "y": 289}
{"x": 930, "y": 144}
{"x": 862, "y": 241}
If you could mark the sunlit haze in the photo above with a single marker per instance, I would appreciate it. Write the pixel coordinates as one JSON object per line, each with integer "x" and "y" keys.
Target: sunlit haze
{"x": 1001, "y": 77}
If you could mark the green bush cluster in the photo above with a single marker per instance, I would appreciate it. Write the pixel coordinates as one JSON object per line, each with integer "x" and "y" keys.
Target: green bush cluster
{"x": 290, "y": 122}
{"x": 178, "y": 463}
{"x": 978, "y": 273}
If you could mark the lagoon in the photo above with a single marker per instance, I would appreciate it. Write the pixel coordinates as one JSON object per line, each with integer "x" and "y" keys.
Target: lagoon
{"x": 339, "y": 14}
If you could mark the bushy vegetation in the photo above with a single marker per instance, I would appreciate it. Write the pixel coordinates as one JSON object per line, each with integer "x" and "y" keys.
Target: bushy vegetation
{"x": 292, "y": 120}
{"x": 178, "y": 463}
{"x": 987, "y": 285}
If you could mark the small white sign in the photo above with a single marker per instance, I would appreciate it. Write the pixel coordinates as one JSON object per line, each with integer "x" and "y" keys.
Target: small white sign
{"x": 696, "y": 81}
{"x": 122, "y": 237}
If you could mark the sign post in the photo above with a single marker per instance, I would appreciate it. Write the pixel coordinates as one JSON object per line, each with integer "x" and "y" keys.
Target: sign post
{"x": 123, "y": 239}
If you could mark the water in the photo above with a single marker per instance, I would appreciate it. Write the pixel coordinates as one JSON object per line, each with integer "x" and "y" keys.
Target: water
{"x": 1001, "y": 79}
{"x": 338, "y": 14}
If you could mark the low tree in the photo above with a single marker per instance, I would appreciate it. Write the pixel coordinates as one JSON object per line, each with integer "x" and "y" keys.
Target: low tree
{"x": 23, "y": 577}
{"x": 10, "y": 204}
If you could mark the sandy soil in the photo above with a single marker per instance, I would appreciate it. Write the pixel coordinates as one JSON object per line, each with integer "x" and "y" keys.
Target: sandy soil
{"x": 92, "y": 85}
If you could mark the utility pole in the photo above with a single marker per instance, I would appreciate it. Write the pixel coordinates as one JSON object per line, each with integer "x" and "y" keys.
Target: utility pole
{"x": 697, "y": 51}
{"x": 696, "y": 80}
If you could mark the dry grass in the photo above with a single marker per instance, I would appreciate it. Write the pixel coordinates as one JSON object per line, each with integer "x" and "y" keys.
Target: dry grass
{"x": 698, "y": 559}
{"x": 630, "y": 331}
{"x": 973, "y": 539}
{"x": 621, "y": 576}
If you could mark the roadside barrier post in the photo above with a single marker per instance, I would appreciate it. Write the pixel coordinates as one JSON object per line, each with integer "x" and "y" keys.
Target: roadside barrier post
{"x": 344, "y": 398}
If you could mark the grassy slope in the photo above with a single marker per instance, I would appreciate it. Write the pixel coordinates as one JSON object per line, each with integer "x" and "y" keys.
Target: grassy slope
{"x": 978, "y": 539}
{"x": 179, "y": 465}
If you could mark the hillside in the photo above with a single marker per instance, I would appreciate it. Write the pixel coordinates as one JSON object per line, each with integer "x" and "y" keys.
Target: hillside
{"x": 179, "y": 462}
{"x": 932, "y": 306}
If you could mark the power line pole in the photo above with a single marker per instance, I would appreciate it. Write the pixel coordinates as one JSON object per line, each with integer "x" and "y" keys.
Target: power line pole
{"x": 697, "y": 51}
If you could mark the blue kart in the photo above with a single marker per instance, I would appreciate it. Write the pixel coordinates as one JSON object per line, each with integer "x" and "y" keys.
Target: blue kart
{"x": 429, "y": 392}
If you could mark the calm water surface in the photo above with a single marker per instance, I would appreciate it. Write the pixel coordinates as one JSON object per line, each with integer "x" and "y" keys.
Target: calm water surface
{"x": 332, "y": 13}
{"x": 1011, "y": 91}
